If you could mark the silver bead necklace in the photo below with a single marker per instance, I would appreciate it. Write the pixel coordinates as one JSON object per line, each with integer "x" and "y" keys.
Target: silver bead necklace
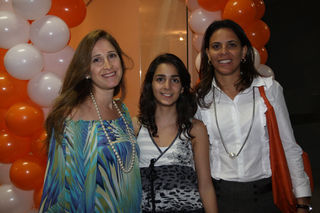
{"x": 233, "y": 155}
{"x": 125, "y": 170}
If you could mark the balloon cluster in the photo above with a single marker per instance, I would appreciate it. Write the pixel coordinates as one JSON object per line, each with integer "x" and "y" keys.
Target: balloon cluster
{"x": 34, "y": 56}
{"x": 247, "y": 13}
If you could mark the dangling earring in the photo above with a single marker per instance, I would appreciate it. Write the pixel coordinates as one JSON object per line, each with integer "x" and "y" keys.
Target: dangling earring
{"x": 243, "y": 60}
{"x": 209, "y": 62}
{"x": 87, "y": 77}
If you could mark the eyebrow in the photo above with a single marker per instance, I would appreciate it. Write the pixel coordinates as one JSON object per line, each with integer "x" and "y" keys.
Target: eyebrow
{"x": 112, "y": 51}
{"x": 213, "y": 42}
{"x": 176, "y": 75}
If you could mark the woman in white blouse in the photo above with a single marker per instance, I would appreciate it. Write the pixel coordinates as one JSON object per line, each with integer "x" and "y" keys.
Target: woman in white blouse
{"x": 234, "y": 112}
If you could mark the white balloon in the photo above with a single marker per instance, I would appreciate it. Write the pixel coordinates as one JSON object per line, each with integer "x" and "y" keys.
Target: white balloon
{"x": 14, "y": 200}
{"x": 49, "y": 33}
{"x": 266, "y": 71}
{"x": 46, "y": 111}
{"x": 44, "y": 88}
{"x": 200, "y": 19}
{"x": 58, "y": 62}
{"x": 13, "y": 30}
{"x": 198, "y": 61}
{"x": 23, "y": 61}
{"x": 256, "y": 58}
{"x": 4, "y": 173}
{"x": 192, "y": 4}
{"x": 197, "y": 41}
{"x": 6, "y": 5}
{"x": 31, "y": 9}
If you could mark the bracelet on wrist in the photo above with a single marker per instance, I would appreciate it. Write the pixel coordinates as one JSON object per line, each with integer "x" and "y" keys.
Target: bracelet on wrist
{"x": 303, "y": 206}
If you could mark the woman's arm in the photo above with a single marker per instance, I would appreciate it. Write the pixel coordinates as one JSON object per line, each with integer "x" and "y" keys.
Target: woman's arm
{"x": 136, "y": 125}
{"x": 55, "y": 176}
{"x": 200, "y": 146}
{"x": 293, "y": 152}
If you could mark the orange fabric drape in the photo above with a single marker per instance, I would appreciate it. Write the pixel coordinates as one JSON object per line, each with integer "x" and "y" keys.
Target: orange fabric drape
{"x": 283, "y": 195}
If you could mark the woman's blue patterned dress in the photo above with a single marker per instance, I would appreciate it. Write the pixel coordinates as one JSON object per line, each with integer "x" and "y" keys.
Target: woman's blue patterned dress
{"x": 83, "y": 174}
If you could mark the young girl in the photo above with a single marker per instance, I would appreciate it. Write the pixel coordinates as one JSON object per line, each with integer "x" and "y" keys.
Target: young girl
{"x": 174, "y": 146}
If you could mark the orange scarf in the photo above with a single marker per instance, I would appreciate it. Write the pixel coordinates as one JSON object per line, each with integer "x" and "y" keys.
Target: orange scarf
{"x": 283, "y": 196}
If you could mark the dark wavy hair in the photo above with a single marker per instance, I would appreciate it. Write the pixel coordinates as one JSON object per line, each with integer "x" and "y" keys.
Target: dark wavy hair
{"x": 186, "y": 104}
{"x": 206, "y": 72}
{"x": 76, "y": 88}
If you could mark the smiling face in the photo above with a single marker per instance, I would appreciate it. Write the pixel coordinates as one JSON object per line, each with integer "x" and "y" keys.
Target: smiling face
{"x": 225, "y": 52}
{"x": 166, "y": 85}
{"x": 105, "y": 69}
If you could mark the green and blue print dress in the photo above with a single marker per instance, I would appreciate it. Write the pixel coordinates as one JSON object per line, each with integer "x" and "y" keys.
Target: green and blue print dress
{"x": 83, "y": 174}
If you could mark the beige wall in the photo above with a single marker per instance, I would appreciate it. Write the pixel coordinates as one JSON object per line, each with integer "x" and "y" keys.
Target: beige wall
{"x": 121, "y": 19}
{"x": 143, "y": 28}
{"x": 162, "y": 25}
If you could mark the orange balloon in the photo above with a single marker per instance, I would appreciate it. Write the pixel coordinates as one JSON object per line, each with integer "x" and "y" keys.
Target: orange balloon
{"x": 263, "y": 55}
{"x": 72, "y": 12}
{"x": 37, "y": 194}
{"x": 212, "y": 5}
{"x": 39, "y": 146}
{"x": 27, "y": 174}
{"x": 258, "y": 33}
{"x": 12, "y": 90}
{"x": 24, "y": 119}
{"x": 2, "y": 121}
{"x": 2, "y": 54}
{"x": 13, "y": 147}
{"x": 260, "y": 7}
{"x": 242, "y": 12}
{"x": 2, "y": 67}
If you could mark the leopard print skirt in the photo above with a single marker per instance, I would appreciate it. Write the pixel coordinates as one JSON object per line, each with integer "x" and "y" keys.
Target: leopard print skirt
{"x": 175, "y": 189}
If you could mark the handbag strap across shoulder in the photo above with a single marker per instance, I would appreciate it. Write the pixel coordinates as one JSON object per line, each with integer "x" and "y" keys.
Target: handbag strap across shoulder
{"x": 281, "y": 181}
{"x": 263, "y": 95}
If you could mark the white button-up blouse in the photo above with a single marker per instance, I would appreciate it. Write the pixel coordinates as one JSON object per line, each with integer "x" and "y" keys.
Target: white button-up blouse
{"x": 234, "y": 119}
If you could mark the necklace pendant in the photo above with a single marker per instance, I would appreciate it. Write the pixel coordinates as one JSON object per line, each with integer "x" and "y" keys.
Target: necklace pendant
{"x": 232, "y": 155}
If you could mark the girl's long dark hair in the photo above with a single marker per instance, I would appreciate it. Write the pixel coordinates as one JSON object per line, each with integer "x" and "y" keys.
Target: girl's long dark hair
{"x": 186, "y": 104}
{"x": 206, "y": 72}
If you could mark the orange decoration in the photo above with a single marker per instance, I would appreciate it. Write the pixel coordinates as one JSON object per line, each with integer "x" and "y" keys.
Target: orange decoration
{"x": 13, "y": 147}
{"x": 242, "y": 12}
{"x": 260, "y": 7}
{"x": 39, "y": 147}
{"x": 263, "y": 55}
{"x": 2, "y": 121}
{"x": 24, "y": 119}
{"x": 12, "y": 90}
{"x": 72, "y": 12}
{"x": 258, "y": 33}
{"x": 27, "y": 174}
{"x": 212, "y": 5}
{"x": 2, "y": 54}
{"x": 37, "y": 194}
{"x": 2, "y": 67}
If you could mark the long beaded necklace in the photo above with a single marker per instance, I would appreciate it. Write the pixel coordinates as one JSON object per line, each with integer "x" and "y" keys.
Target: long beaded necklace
{"x": 233, "y": 155}
{"x": 126, "y": 170}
